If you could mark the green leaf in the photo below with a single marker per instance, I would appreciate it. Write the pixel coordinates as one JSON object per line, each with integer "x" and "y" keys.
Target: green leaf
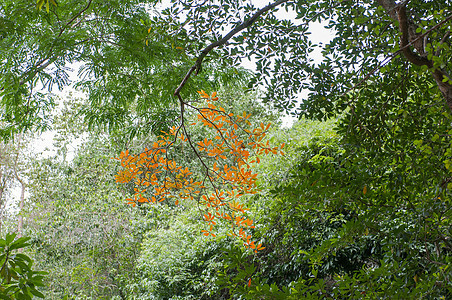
{"x": 20, "y": 243}
{"x": 36, "y": 293}
{"x": 39, "y": 4}
{"x": 9, "y": 238}
{"x": 23, "y": 267}
{"x": 23, "y": 257}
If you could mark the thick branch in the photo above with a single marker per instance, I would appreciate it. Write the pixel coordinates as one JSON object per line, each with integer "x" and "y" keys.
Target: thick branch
{"x": 246, "y": 24}
{"x": 391, "y": 8}
{"x": 410, "y": 55}
{"x": 397, "y": 12}
{"x": 438, "y": 74}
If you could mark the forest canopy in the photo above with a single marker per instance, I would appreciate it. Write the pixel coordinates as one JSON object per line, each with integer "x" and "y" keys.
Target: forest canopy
{"x": 352, "y": 201}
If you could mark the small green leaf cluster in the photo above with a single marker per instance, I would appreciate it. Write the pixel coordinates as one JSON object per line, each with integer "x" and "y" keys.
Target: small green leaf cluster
{"x": 17, "y": 278}
{"x": 40, "y": 4}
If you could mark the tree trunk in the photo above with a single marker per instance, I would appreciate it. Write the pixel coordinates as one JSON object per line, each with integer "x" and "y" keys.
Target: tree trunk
{"x": 22, "y": 192}
{"x": 20, "y": 221}
{"x": 1, "y": 201}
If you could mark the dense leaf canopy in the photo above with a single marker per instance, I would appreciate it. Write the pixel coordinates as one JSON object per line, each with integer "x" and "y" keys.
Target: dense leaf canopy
{"x": 358, "y": 208}
{"x": 131, "y": 56}
{"x": 128, "y": 58}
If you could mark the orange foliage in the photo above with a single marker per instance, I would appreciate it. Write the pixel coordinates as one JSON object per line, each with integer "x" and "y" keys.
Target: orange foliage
{"x": 158, "y": 178}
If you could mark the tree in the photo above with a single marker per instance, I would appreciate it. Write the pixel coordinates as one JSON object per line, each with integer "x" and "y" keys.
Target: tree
{"x": 86, "y": 236}
{"x": 386, "y": 175}
{"x": 129, "y": 59}
{"x": 6, "y": 178}
{"x": 369, "y": 45}
{"x": 370, "y": 30}
{"x": 82, "y": 233}
{"x": 11, "y": 173}
{"x": 227, "y": 161}
{"x": 345, "y": 216}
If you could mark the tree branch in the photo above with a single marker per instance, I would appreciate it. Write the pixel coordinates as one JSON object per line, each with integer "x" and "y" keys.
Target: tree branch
{"x": 45, "y": 62}
{"x": 398, "y": 13}
{"x": 245, "y": 24}
{"x": 75, "y": 17}
{"x": 406, "y": 50}
{"x": 443, "y": 40}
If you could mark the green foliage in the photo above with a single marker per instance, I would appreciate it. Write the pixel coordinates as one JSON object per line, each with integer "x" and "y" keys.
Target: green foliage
{"x": 17, "y": 278}
{"x": 177, "y": 262}
{"x": 356, "y": 219}
{"x": 129, "y": 60}
{"x": 358, "y": 208}
{"x": 81, "y": 230}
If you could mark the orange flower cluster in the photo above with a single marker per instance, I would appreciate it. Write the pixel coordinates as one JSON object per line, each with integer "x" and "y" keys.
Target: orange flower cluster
{"x": 227, "y": 158}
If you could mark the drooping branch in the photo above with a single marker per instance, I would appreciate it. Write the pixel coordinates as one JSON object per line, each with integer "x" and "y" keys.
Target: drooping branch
{"x": 247, "y": 23}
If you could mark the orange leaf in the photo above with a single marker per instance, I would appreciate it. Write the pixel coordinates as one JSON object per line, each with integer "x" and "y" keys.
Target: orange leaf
{"x": 173, "y": 179}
